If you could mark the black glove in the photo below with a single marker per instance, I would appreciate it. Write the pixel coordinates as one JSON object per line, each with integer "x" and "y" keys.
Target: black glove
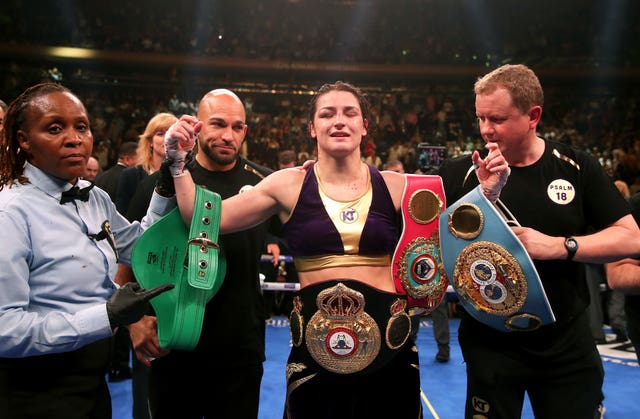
{"x": 164, "y": 184}
{"x": 130, "y": 302}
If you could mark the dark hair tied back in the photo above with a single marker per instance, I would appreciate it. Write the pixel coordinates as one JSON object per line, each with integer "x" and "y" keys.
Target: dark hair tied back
{"x": 342, "y": 87}
{"x": 12, "y": 157}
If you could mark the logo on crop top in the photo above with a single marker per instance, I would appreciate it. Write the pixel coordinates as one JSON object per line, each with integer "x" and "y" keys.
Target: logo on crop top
{"x": 349, "y": 216}
{"x": 561, "y": 191}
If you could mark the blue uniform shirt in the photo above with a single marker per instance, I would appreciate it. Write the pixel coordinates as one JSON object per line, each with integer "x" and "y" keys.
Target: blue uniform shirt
{"x": 55, "y": 277}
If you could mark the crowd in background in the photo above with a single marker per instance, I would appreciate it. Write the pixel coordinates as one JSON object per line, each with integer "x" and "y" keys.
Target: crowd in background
{"x": 380, "y": 31}
{"x": 596, "y": 120}
{"x": 599, "y": 115}
{"x": 602, "y": 124}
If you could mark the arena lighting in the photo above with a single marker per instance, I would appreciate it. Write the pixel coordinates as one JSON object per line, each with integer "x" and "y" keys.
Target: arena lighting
{"x": 69, "y": 52}
{"x": 609, "y": 33}
{"x": 361, "y": 22}
{"x": 478, "y": 15}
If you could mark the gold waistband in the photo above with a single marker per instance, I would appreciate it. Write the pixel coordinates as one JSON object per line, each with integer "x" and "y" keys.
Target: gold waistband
{"x": 333, "y": 261}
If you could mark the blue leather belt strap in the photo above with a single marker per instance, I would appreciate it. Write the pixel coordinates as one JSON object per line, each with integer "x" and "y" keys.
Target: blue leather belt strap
{"x": 191, "y": 260}
{"x": 489, "y": 267}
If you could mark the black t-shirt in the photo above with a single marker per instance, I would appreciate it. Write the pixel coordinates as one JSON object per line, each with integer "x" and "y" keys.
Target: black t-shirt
{"x": 233, "y": 331}
{"x": 565, "y": 193}
{"x": 128, "y": 183}
{"x": 635, "y": 206}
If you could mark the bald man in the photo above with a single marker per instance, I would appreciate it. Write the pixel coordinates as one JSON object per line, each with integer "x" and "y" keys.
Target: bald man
{"x": 221, "y": 377}
{"x": 92, "y": 169}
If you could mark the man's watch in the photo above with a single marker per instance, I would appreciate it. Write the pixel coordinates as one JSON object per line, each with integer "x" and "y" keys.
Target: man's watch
{"x": 572, "y": 247}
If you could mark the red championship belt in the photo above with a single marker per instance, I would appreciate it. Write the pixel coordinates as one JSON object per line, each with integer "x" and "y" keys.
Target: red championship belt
{"x": 417, "y": 267}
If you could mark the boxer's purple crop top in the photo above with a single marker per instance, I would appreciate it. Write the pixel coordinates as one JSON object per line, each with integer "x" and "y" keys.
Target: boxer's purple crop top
{"x": 322, "y": 232}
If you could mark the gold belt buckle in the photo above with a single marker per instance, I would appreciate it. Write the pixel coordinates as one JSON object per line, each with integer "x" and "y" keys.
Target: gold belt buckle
{"x": 490, "y": 278}
{"x": 341, "y": 336}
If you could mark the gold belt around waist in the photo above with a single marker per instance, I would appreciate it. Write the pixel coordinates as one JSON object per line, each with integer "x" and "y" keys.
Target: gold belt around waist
{"x": 348, "y": 327}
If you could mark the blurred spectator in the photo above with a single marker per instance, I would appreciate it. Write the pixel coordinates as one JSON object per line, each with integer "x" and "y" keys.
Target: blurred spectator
{"x": 108, "y": 180}
{"x": 624, "y": 276}
{"x": 3, "y": 110}
{"x": 394, "y": 166}
{"x": 370, "y": 155}
{"x": 150, "y": 155}
{"x": 614, "y": 300}
{"x": 286, "y": 159}
{"x": 92, "y": 169}
{"x": 623, "y": 188}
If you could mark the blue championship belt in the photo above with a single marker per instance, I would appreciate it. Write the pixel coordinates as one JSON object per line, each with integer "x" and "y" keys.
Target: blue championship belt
{"x": 490, "y": 269}
{"x": 416, "y": 265}
{"x": 169, "y": 252}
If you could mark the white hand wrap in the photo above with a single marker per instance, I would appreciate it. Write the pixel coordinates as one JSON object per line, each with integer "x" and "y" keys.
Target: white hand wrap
{"x": 492, "y": 189}
{"x": 177, "y": 157}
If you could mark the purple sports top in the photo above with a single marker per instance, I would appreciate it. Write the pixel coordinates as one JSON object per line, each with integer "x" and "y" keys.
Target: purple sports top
{"x": 310, "y": 231}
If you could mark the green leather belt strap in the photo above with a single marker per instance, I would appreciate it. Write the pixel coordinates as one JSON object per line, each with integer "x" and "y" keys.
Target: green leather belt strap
{"x": 189, "y": 259}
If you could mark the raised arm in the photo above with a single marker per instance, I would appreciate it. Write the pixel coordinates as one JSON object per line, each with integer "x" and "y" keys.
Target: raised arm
{"x": 179, "y": 141}
{"x": 241, "y": 211}
{"x": 492, "y": 171}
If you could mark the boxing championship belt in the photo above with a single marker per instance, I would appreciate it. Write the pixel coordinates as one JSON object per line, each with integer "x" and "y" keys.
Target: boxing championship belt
{"x": 489, "y": 267}
{"x": 417, "y": 264}
{"x": 168, "y": 252}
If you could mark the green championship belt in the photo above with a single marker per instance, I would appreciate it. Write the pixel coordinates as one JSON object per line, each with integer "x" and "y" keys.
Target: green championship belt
{"x": 167, "y": 252}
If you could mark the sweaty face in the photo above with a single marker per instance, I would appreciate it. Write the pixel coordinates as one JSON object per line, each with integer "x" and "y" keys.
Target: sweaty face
{"x": 500, "y": 121}
{"x": 56, "y": 135}
{"x": 338, "y": 124}
{"x": 223, "y": 130}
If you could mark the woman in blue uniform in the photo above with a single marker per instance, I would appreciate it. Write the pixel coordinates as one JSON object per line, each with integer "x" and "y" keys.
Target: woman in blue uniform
{"x": 61, "y": 241}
